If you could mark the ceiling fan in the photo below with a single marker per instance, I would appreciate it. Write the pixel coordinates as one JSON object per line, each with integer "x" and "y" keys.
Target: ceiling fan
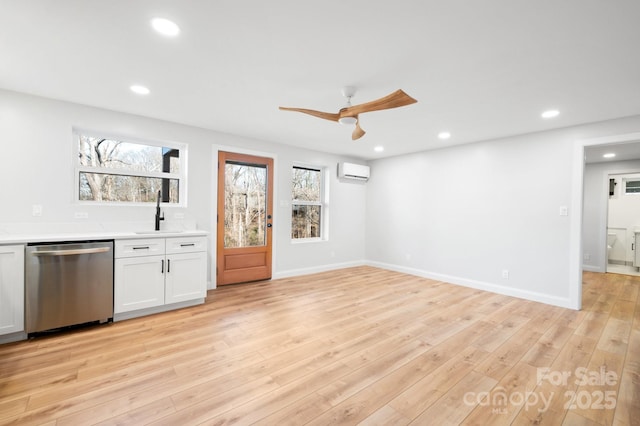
{"x": 349, "y": 114}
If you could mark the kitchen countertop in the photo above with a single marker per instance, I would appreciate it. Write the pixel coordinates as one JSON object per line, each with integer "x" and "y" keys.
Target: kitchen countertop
{"x": 24, "y": 238}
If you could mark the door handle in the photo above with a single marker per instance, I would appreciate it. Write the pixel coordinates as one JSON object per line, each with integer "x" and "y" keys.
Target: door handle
{"x": 70, "y": 252}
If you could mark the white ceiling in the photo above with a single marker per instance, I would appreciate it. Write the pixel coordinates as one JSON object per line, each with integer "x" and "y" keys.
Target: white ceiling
{"x": 479, "y": 69}
{"x": 622, "y": 151}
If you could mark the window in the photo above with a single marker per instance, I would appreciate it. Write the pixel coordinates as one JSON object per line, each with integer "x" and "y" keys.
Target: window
{"x": 307, "y": 205}
{"x": 632, "y": 186}
{"x": 115, "y": 170}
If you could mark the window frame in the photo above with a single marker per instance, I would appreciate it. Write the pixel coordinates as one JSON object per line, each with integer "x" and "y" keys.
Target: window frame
{"x": 323, "y": 203}
{"x": 631, "y": 179}
{"x": 181, "y": 177}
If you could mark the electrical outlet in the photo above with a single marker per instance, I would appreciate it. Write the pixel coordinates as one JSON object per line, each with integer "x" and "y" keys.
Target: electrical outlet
{"x": 178, "y": 216}
{"x": 81, "y": 215}
{"x": 564, "y": 211}
{"x": 36, "y": 210}
{"x": 587, "y": 256}
{"x": 505, "y": 274}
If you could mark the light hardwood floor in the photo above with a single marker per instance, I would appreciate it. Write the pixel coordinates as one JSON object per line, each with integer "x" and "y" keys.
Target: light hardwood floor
{"x": 355, "y": 346}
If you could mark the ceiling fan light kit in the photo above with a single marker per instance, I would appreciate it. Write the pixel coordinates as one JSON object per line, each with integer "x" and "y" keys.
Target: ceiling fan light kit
{"x": 347, "y": 121}
{"x": 349, "y": 114}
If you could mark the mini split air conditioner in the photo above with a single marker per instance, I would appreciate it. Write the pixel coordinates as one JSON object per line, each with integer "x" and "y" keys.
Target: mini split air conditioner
{"x": 353, "y": 171}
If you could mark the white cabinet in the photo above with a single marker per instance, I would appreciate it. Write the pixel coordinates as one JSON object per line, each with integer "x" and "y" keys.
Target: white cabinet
{"x": 154, "y": 272}
{"x": 186, "y": 277}
{"x": 138, "y": 283}
{"x": 11, "y": 289}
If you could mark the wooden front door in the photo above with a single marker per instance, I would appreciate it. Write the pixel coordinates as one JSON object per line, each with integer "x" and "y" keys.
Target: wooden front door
{"x": 245, "y": 210}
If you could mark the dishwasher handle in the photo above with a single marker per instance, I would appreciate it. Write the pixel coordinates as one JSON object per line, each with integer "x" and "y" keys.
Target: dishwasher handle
{"x": 70, "y": 252}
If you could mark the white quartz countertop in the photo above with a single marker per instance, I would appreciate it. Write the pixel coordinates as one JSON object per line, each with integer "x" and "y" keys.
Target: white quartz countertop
{"x": 26, "y": 238}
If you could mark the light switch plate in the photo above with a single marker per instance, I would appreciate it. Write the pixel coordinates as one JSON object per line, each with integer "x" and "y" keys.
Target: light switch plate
{"x": 36, "y": 210}
{"x": 564, "y": 210}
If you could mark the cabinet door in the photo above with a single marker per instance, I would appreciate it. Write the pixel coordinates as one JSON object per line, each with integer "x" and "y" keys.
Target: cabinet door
{"x": 138, "y": 283}
{"x": 186, "y": 277}
{"x": 11, "y": 289}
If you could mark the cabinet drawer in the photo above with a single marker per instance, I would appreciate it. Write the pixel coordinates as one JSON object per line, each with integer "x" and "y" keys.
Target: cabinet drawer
{"x": 140, "y": 247}
{"x": 186, "y": 244}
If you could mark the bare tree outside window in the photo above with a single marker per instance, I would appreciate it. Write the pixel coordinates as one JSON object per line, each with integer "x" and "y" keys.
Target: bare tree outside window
{"x": 112, "y": 170}
{"x": 245, "y": 205}
{"x": 306, "y": 213}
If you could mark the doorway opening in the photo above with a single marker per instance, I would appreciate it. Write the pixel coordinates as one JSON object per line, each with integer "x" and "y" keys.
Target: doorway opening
{"x": 593, "y": 163}
{"x": 623, "y": 223}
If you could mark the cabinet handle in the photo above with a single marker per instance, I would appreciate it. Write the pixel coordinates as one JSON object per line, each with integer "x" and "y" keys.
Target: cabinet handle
{"x": 162, "y": 267}
{"x": 141, "y": 248}
{"x": 188, "y": 245}
{"x": 168, "y": 265}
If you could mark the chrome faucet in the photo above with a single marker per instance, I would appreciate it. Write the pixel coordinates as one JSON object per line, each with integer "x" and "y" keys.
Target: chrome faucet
{"x": 159, "y": 217}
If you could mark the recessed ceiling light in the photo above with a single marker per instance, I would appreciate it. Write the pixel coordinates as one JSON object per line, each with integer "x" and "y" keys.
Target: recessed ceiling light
{"x": 378, "y": 149}
{"x": 609, "y": 155}
{"x": 550, "y": 113}
{"x": 165, "y": 27}
{"x": 140, "y": 90}
{"x": 444, "y": 135}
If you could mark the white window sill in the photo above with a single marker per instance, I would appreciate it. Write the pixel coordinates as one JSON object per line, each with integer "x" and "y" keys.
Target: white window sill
{"x": 307, "y": 240}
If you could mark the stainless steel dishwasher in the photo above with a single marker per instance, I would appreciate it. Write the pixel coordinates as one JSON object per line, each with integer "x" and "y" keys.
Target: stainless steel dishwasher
{"x": 68, "y": 284}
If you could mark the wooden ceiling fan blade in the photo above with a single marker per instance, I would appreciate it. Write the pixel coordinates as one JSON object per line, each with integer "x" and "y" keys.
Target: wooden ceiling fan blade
{"x": 396, "y": 99}
{"x": 357, "y": 132}
{"x": 319, "y": 114}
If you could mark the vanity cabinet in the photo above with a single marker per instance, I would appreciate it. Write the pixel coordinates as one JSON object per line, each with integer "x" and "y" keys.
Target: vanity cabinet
{"x": 11, "y": 289}
{"x": 153, "y": 272}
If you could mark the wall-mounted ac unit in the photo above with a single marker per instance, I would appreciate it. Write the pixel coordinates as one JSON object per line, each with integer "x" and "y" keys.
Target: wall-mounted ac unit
{"x": 353, "y": 171}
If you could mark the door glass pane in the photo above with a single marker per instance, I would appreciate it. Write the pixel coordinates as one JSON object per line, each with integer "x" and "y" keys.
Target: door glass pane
{"x": 245, "y": 205}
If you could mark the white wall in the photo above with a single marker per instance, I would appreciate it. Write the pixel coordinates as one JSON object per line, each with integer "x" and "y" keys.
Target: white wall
{"x": 462, "y": 214}
{"x": 596, "y": 195}
{"x": 465, "y": 214}
{"x": 37, "y": 154}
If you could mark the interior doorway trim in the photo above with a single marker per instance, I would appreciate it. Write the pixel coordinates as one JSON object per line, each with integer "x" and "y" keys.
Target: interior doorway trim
{"x": 577, "y": 196}
{"x": 604, "y": 228}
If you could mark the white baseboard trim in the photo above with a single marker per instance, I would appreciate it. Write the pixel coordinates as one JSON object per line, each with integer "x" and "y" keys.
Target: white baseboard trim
{"x": 592, "y": 268}
{"x": 479, "y": 285}
{"x": 155, "y": 310}
{"x": 317, "y": 269}
{"x": 13, "y": 337}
